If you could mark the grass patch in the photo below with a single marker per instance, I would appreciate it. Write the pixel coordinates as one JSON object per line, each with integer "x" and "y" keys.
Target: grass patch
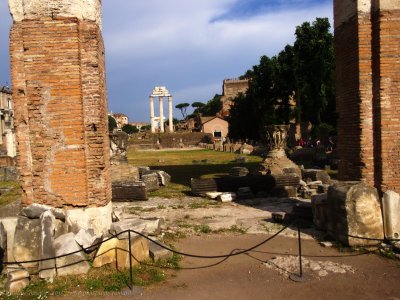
{"x": 202, "y": 228}
{"x": 12, "y": 195}
{"x": 105, "y": 279}
{"x": 204, "y": 204}
{"x": 179, "y": 164}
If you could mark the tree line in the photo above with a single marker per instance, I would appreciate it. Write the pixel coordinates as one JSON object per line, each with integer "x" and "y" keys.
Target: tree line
{"x": 297, "y": 84}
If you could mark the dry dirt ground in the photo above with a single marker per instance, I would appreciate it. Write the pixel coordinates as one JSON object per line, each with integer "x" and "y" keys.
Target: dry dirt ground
{"x": 262, "y": 273}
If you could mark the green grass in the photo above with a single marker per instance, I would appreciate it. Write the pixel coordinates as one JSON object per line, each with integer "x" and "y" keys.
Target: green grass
{"x": 183, "y": 165}
{"x": 105, "y": 279}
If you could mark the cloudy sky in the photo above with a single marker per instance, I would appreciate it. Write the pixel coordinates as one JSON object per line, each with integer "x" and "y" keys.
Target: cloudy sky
{"x": 189, "y": 46}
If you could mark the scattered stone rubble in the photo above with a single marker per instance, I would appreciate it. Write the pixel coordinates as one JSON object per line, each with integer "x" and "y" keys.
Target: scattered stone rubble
{"x": 287, "y": 265}
{"x": 43, "y": 232}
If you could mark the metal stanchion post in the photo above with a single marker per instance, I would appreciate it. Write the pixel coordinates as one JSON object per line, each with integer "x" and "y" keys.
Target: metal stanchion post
{"x": 299, "y": 277}
{"x": 130, "y": 261}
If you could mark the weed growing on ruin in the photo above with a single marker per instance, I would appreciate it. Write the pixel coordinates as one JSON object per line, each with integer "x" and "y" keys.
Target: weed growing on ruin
{"x": 11, "y": 191}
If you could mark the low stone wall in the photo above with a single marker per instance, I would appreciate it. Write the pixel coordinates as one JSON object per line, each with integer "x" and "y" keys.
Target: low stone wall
{"x": 168, "y": 140}
{"x": 228, "y": 147}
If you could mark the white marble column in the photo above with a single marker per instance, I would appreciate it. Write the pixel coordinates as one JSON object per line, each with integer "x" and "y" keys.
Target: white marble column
{"x": 170, "y": 116}
{"x": 153, "y": 129}
{"x": 161, "y": 114}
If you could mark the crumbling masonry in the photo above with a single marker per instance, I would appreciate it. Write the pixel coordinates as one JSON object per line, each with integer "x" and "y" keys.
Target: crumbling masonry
{"x": 58, "y": 83}
{"x": 367, "y": 46}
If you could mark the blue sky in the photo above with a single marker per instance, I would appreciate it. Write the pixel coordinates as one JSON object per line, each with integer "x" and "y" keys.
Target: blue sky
{"x": 189, "y": 46}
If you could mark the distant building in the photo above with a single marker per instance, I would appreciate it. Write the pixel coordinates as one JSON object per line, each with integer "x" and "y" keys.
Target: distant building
{"x": 139, "y": 125}
{"x": 7, "y": 131}
{"x": 121, "y": 119}
{"x": 215, "y": 125}
{"x": 231, "y": 89}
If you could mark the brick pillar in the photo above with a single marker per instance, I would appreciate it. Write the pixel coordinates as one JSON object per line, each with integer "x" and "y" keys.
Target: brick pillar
{"x": 367, "y": 46}
{"x": 58, "y": 83}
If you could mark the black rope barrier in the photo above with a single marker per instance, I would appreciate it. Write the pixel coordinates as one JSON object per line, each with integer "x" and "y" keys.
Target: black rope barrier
{"x": 296, "y": 223}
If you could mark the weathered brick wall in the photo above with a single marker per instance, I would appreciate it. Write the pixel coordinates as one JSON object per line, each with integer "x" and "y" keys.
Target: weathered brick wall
{"x": 367, "y": 49}
{"x": 58, "y": 82}
{"x": 387, "y": 97}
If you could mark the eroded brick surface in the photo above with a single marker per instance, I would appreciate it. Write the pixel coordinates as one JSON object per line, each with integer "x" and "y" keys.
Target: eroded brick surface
{"x": 58, "y": 81}
{"x": 367, "y": 46}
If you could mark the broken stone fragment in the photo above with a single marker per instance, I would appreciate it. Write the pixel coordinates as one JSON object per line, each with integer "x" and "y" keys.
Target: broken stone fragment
{"x": 10, "y": 225}
{"x": 17, "y": 280}
{"x": 391, "y": 214}
{"x": 96, "y": 218}
{"x": 117, "y": 214}
{"x": 47, "y": 269}
{"x": 35, "y": 210}
{"x": 17, "y": 286}
{"x": 354, "y": 209}
{"x": 74, "y": 264}
{"x": 150, "y": 226}
{"x": 159, "y": 253}
{"x": 86, "y": 238}
{"x": 227, "y": 197}
{"x": 213, "y": 195}
{"x": 117, "y": 251}
{"x": 319, "y": 208}
{"x": 151, "y": 181}
{"x": 163, "y": 177}
{"x": 3, "y": 246}
{"x": 27, "y": 242}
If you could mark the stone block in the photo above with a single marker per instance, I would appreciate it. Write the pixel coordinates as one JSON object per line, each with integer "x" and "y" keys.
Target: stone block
{"x": 151, "y": 181}
{"x": 116, "y": 251}
{"x": 3, "y": 246}
{"x": 34, "y": 211}
{"x": 157, "y": 252}
{"x": 27, "y": 242}
{"x": 86, "y": 238}
{"x": 10, "y": 224}
{"x": 106, "y": 254}
{"x": 17, "y": 286}
{"x": 213, "y": 195}
{"x": 74, "y": 264}
{"x": 124, "y": 172}
{"x": 96, "y": 218}
{"x": 227, "y": 197}
{"x": 47, "y": 268}
{"x": 319, "y": 208}
{"x": 129, "y": 191}
{"x": 285, "y": 192}
{"x": 60, "y": 228}
{"x": 245, "y": 193}
{"x": 354, "y": 209}
{"x": 163, "y": 177}
{"x": 315, "y": 175}
{"x": 150, "y": 226}
{"x": 391, "y": 214}
{"x": 17, "y": 275}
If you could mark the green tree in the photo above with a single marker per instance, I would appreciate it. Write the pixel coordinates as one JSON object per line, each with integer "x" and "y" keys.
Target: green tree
{"x": 129, "y": 129}
{"x": 212, "y": 107}
{"x": 183, "y": 108}
{"x": 304, "y": 72}
{"x": 112, "y": 124}
{"x": 314, "y": 67}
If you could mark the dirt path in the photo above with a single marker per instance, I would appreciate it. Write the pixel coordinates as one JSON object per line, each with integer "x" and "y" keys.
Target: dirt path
{"x": 250, "y": 277}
